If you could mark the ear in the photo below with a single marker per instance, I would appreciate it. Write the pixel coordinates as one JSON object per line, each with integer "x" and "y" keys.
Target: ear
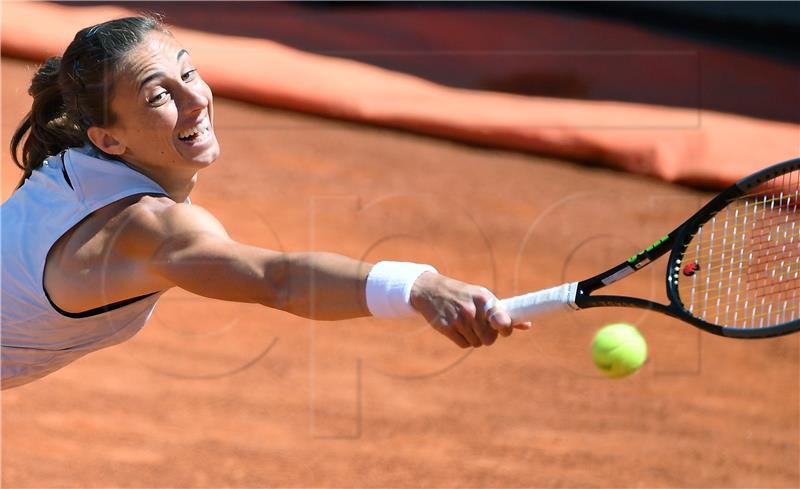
{"x": 105, "y": 142}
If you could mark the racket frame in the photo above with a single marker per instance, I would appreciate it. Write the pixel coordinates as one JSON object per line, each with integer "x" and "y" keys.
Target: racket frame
{"x": 676, "y": 243}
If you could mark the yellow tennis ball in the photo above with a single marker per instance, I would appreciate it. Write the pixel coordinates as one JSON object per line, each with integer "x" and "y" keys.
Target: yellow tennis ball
{"x": 618, "y": 350}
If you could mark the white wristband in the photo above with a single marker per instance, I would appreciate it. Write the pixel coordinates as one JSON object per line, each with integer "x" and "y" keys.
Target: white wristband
{"x": 389, "y": 288}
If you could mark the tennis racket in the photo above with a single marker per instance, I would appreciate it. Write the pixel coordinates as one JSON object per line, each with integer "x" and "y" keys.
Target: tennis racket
{"x": 733, "y": 269}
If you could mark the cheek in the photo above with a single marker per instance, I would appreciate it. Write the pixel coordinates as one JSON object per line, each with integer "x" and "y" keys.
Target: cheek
{"x": 149, "y": 134}
{"x": 156, "y": 123}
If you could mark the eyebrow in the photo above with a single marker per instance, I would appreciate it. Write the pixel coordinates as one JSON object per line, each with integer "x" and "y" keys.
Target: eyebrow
{"x": 158, "y": 74}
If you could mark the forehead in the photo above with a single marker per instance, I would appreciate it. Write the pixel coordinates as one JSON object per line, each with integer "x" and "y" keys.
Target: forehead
{"x": 157, "y": 52}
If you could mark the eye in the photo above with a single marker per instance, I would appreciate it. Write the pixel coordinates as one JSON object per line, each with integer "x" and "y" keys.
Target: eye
{"x": 158, "y": 98}
{"x": 189, "y": 75}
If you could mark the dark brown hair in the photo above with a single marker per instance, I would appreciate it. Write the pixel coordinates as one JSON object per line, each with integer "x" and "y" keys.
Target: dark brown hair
{"x": 73, "y": 92}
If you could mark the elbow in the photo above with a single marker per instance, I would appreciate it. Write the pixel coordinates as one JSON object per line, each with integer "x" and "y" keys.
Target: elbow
{"x": 289, "y": 285}
{"x": 275, "y": 291}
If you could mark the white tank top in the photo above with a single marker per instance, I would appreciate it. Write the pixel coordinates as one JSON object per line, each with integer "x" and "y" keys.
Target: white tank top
{"x": 37, "y": 338}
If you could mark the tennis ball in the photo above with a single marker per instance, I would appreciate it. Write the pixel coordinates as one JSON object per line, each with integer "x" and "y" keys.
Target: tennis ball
{"x": 618, "y": 350}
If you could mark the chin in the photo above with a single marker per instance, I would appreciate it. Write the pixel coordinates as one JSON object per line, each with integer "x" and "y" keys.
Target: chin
{"x": 212, "y": 154}
{"x": 200, "y": 156}
{"x": 208, "y": 160}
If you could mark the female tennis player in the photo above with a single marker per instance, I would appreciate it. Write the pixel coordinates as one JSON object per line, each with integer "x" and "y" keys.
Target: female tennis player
{"x": 101, "y": 224}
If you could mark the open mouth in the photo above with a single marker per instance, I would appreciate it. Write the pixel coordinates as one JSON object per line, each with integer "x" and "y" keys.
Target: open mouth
{"x": 197, "y": 132}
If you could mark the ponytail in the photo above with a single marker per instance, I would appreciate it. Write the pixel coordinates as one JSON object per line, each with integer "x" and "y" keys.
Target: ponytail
{"x": 49, "y": 128}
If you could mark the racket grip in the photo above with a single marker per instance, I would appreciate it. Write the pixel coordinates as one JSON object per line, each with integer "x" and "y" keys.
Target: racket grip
{"x": 528, "y": 306}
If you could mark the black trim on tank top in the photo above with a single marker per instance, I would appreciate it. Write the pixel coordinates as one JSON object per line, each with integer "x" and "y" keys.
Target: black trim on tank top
{"x": 64, "y": 170}
{"x": 96, "y": 310}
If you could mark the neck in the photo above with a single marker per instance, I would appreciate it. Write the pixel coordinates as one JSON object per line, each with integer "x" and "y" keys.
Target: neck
{"x": 177, "y": 185}
{"x": 179, "y": 190}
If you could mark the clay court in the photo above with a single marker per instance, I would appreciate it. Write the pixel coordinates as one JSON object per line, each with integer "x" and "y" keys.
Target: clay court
{"x": 215, "y": 394}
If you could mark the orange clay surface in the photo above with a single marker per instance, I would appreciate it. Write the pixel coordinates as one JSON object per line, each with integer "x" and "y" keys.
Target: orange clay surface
{"x": 214, "y": 394}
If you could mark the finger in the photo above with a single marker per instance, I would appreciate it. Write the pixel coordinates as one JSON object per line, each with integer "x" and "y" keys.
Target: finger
{"x": 467, "y": 332}
{"x": 451, "y": 333}
{"x": 457, "y": 338}
{"x": 485, "y": 331}
{"x": 480, "y": 320}
{"x": 504, "y": 328}
{"x": 523, "y": 326}
{"x": 467, "y": 324}
{"x": 486, "y": 302}
{"x": 501, "y": 321}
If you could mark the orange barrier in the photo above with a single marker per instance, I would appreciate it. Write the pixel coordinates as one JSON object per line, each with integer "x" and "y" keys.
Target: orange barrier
{"x": 678, "y": 145}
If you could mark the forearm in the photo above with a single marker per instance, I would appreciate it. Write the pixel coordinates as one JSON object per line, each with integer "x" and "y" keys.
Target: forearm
{"x": 322, "y": 286}
{"x": 317, "y": 285}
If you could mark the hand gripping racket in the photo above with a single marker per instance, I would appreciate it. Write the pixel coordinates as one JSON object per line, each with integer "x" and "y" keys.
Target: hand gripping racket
{"x": 733, "y": 269}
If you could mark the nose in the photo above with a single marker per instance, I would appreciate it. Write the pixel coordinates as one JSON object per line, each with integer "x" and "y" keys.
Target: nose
{"x": 193, "y": 99}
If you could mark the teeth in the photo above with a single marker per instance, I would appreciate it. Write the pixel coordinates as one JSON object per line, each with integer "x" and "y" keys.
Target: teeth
{"x": 199, "y": 128}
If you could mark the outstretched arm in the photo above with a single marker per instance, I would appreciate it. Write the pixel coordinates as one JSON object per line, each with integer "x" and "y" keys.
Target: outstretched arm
{"x": 187, "y": 247}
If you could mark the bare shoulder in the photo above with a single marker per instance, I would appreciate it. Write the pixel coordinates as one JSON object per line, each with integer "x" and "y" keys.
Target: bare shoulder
{"x": 148, "y": 223}
{"x": 109, "y": 251}
{"x": 138, "y": 207}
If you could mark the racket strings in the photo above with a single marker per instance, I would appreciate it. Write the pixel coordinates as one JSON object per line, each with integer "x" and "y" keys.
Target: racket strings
{"x": 764, "y": 243}
{"x": 745, "y": 260}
